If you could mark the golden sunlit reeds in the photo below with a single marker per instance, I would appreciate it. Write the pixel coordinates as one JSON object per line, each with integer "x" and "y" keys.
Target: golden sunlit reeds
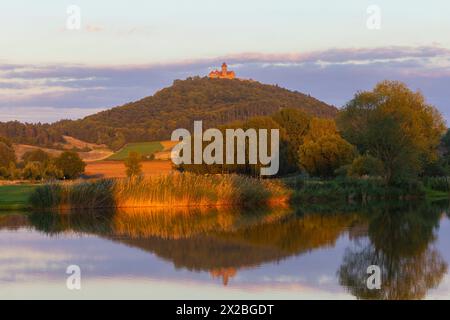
{"x": 176, "y": 190}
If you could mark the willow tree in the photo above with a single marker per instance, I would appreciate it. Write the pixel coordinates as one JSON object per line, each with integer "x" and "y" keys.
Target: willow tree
{"x": 396, "y": 126}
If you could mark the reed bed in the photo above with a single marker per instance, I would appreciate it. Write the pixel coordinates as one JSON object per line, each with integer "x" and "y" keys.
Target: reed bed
{"x": 176, "y": 190}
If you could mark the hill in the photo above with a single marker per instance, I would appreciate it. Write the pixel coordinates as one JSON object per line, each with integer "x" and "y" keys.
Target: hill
{"x": 215, "y": 101}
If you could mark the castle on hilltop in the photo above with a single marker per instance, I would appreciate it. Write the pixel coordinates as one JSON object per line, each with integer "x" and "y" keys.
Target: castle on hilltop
{"x": 223, "y": 73}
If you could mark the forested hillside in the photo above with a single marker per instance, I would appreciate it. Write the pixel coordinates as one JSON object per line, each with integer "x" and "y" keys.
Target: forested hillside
{"x": 215, "y": 101}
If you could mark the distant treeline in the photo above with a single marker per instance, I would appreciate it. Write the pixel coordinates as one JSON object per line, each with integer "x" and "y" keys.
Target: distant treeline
{"x": 216, "y": 102}
{"x": 43, "y": 135}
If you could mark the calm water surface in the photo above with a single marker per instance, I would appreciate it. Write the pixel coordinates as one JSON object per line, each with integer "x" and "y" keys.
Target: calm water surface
{"x": 268, "y": 254}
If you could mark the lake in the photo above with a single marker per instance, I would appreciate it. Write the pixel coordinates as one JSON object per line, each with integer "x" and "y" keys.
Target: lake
{"x": 283, "y": 253}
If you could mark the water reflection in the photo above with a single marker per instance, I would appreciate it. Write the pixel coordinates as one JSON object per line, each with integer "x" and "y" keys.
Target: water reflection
{"x": 217, "y": 241}
{"x": 401, "y": 244}
{"x": 397, "y": 237}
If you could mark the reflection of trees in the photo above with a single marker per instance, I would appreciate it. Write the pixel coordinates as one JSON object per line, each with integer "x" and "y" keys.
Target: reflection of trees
{"x": 297, "y": 234}
{"x": 170, "y": 224}
{"x": 400, "y": 244}
{"x": 13, "y": 221}
{"x": 216, "y": 241}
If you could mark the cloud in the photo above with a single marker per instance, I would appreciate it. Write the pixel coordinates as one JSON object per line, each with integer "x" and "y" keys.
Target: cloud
{"x": 332, "y": 75}
{"x": 337, "y": 55}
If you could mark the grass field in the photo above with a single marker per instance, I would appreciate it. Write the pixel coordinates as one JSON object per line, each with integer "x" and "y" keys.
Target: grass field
{"x": 15, "y": 197}
{"x": 144, "y": 148}
{"x": 116, "y": 169}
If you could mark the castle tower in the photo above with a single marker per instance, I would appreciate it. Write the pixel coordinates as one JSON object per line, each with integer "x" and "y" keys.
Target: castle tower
{"x": 224, "y": 69}
{"x": 223, "y": 73}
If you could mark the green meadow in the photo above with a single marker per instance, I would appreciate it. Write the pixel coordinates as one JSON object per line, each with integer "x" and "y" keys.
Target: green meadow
{"x": 146, "y": 149}
{"x": 15, "y": 197}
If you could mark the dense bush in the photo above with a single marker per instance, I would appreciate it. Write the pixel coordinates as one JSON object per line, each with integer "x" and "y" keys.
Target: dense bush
{"x": 351, "y": 189}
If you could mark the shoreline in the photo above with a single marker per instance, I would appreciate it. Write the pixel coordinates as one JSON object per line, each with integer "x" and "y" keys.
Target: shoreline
{"x": 15, "y": 195}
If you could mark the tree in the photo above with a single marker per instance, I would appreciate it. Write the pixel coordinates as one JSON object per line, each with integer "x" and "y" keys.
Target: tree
{"x": 133, "y": 164}
{"x": 323, "y": 156}
{"x": 324, "y": 150}
{"x": 51, "y": 171}
{"x": 70, "y": 164}
{"x": 13, "y": 172}
{"x": 286, "y": 164}
{"x": 37, "y": 155}
{"x": 445, "y": 142}
{"x": 365, "y": 166}
{"x": 33, "y": 171}
{"x": 394, "y": 125}
{"x": 4, "y": 173}
{"x": 6, "y": 141}
{"x": 444, "y": 161}
{"x": 319, "y": 128}
{"x": 7, "y": 155}
{"x": 296, "y": 124}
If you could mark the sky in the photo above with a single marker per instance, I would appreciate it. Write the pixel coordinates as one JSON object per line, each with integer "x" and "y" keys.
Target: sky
{"x": 51, "y": 67}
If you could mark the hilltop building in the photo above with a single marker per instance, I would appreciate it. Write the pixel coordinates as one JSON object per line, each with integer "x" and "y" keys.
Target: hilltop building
{"x": 223, "y": 73}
